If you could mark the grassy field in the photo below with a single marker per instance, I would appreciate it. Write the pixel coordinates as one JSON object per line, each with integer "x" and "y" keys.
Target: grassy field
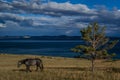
{"x": 58, "y": 68}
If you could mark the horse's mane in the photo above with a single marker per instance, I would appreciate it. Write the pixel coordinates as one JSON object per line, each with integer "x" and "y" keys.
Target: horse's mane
{"x": 23, "y": 60}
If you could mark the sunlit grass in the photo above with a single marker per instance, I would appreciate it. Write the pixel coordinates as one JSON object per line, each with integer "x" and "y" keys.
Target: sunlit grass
{"x": 57, "y": 68}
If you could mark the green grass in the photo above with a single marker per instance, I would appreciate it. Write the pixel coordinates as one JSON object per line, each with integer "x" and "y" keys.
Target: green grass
{"x": 58, "y": 68}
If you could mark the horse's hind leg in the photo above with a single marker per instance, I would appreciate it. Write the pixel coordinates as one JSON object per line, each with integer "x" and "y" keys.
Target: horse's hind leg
{"x": 41, "y": 67}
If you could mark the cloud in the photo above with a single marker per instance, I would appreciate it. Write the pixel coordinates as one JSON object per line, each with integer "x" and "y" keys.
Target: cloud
{"x": 32, "y": 17}
{"x": 5, "y": 6}
{"x": 68, "y": 6}
{"x": 2, "y": 25}
{"x": 53, "y": 8}
{"x": 10, "y": 16}
{"x": 69, "y": 31}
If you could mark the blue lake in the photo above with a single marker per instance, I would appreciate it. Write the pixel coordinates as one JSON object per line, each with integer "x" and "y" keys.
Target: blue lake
{"x": 45, "y": 47}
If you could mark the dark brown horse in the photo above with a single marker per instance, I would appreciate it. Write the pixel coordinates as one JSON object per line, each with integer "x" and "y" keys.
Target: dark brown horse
{"x": 31, "y": 62}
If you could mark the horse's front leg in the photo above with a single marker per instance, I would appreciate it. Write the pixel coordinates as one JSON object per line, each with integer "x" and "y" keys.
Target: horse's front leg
{"x": 28, "y": 69}
{"x": 36, "y": 68}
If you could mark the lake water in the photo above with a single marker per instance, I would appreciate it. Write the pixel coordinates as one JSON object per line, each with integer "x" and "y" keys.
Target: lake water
{"x": 44, "y": 47}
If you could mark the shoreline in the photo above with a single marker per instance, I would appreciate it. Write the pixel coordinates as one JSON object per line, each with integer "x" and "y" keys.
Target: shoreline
{"x": 52, "y": 56}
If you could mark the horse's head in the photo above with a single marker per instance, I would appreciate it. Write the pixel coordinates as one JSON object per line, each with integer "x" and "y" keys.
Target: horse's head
{"x": 19, "y": 64}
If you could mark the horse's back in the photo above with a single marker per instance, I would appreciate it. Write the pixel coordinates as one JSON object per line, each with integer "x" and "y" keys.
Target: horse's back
{"x": 33, "y": 61}
{"x": 38, "y": 59}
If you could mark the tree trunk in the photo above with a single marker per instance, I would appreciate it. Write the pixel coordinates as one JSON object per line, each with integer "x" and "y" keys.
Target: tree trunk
{"x": 92, "y": 65}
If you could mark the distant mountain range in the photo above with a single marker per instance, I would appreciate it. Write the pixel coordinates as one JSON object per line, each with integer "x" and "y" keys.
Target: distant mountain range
{"x": 61, "y": 37}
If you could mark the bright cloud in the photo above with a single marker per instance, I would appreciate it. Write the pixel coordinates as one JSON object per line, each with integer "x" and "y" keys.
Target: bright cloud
{"x": 2, "y": 25}
{"x": 32, "y": 17}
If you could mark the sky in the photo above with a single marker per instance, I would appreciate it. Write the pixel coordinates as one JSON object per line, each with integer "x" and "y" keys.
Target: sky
{"x": 58, "y": 17}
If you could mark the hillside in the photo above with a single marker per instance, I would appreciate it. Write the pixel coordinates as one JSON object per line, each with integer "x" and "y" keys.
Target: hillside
{"x": 58, "y": 68}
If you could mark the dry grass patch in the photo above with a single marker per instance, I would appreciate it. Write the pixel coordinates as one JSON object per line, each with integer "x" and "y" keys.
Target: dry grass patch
{"x": 58, "y": 68}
